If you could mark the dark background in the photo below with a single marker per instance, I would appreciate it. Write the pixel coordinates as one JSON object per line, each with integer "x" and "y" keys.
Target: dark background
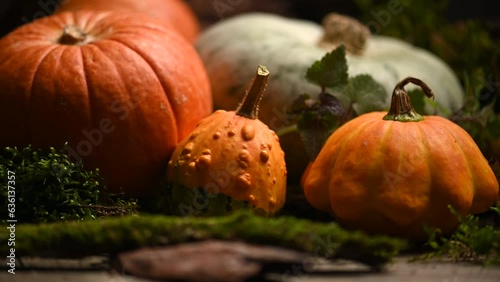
{"x": 16, "y": 12}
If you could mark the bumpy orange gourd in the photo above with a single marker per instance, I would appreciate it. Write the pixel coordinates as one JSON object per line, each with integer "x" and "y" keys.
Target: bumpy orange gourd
{"x": 121, "y": 89}
{"x": 234, "y": 154}
{"x": 395, "y": 172}
{"x": 176, "y": 13}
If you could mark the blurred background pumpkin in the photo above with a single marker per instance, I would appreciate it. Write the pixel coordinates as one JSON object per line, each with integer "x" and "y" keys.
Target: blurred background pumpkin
{"x": 171, "y": 12}
{"x": 16, "y": 12}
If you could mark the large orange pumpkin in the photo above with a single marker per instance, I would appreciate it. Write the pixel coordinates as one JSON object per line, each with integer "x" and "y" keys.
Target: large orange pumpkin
{"x": 122, "y": 89}
{"x": 173, "y": 12}
{"x": 396, "y": 172}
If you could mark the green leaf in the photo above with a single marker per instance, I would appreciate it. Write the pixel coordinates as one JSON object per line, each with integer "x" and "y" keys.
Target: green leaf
{"x": 366, "y": 94}
{"x": 317, "y": 119}
{"x": 315, "y": 136}
{"x": 331, "y": 70}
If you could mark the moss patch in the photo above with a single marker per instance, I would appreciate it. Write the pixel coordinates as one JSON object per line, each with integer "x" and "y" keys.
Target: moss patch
{"x": 186, "y": 201}
{"x": 46, "y": 186}
{"x": 113, "y": 235}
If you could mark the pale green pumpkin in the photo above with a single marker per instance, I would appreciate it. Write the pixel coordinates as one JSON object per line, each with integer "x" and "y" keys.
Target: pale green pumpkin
{"x": 289, "y": 46}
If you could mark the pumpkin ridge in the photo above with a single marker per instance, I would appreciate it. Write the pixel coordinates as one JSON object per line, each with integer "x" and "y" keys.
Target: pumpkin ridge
{"x": 104, "y": 27}
{"x": 151, "y": 27}
{"x": 346, "y": 139}
{"x": 484, "y": 177}
{"x": 427, "y": 161}
{"x": 344, "y": 147}
{"x": 118, "y": 72}
{"x": 88, "y": 83}
{"x": 30, "y": 87}
{"x": 12, "y": 57}
{"x": 67, "y": 19}
{"x": 59, "y": 22}
{"x": 165, "y": 84}
{"x": 132, "y": 96}
{"x": 461, "y": 209}
{"x": 470, "y": 171}
{"x": 88, "y": 23}
{"x": 154, "y": 71}
{"x": 420, "y": 204}
{"x": 427, "y": 214}
{"x": 426, "y": 129}
{"x": 389, "y": 128}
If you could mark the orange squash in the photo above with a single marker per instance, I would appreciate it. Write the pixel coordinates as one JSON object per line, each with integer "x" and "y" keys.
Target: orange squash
{"x": 395, "y": 172}
{"x": 230, "y": 154}
{"x": 172, "y": 12}
{"x": 122, "y": 89}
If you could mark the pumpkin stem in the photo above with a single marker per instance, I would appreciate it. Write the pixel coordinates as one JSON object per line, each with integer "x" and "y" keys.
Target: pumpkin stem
{"x": 249, "y": 107}
{"x": 401, "y": 107}
{"x": 344, "y": 30}
{"x": 73, "y": 35}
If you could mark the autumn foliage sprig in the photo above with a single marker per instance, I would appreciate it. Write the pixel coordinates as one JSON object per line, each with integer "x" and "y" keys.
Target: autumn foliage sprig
{"x": 340, "y": 99}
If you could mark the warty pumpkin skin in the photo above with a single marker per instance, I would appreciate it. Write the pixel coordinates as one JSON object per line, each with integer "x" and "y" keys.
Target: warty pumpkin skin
{"x": 122, "y": 89}
{"x": 393, "y": 177}
{"x": 234, "y": 154}
{"x": 172, "y": 12}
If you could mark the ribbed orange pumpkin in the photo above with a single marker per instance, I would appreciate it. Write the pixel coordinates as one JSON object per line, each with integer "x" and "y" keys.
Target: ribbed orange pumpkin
{"x": 233, "y": 156}
{"x": 172, "y": 12}
{"x": 122, "y": 89}
{"x": 394, "y": 173}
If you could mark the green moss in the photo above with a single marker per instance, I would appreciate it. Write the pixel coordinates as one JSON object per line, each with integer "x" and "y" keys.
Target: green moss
{"x": 112, "y": 235}
{"x": 47, "y": 186}
{"x": 185, "y": 201}
{"x": 473, "y": 240}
